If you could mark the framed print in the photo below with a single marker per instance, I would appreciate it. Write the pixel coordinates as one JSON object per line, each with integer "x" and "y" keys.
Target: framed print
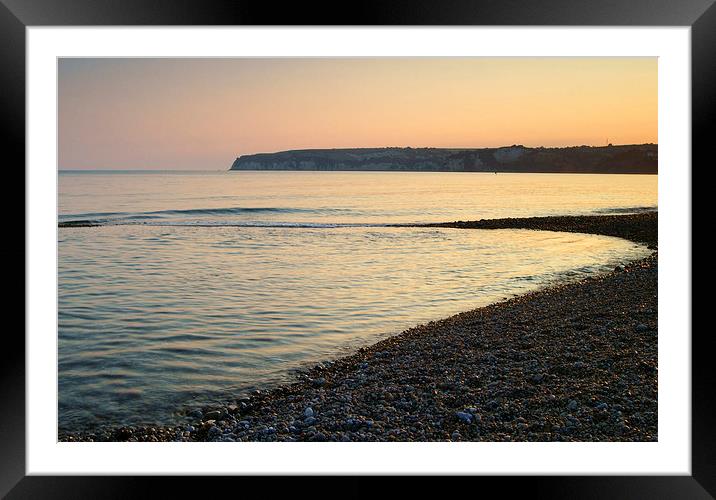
{"x": 419, "y": 240}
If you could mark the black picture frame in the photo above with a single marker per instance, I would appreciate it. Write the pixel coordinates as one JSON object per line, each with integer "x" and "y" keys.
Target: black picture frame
{"x": 16, "y": 15}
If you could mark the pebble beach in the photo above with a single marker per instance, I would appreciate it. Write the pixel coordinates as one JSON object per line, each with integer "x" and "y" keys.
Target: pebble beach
{"x": 572, "y": 362}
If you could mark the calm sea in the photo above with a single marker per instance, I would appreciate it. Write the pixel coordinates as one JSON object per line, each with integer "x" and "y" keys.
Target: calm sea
{"x": 196, "y": 287}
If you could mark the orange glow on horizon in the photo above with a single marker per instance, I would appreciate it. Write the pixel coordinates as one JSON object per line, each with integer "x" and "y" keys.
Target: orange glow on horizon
{"x": 202, "y": 113}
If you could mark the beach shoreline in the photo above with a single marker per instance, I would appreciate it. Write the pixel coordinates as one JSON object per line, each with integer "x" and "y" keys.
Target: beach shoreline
{"x": 570, "y": 362}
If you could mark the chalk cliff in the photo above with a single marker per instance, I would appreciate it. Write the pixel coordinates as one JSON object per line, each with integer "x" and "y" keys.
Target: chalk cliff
{"x": 636, "y": 158}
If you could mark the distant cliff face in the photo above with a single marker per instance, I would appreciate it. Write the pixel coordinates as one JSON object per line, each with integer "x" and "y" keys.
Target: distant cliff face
{"x": 638, "y": 158}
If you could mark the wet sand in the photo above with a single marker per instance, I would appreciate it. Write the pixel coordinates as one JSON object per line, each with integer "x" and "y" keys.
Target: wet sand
{"x": 572, "y": 362}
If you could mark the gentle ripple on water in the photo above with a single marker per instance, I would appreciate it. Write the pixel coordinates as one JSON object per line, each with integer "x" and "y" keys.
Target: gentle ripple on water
{"x": 152, "y": 319}
{"x": 315, "y": 198}
{"x": 155, "y": 316}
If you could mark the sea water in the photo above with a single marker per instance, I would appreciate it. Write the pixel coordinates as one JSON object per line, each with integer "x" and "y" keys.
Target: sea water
{"x": 192, "y": 287}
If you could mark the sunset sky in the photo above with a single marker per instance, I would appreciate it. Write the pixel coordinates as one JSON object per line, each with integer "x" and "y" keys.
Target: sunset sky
{"x": 202, "y": 113}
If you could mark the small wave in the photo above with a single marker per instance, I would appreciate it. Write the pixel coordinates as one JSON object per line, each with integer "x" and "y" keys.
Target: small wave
{"x": 113, "y": 218}
{"x": 218, "y": 224}
{"x": 246, "y": 210}
{"x": 81, "y": 223}
{"x": 203, "y": 211}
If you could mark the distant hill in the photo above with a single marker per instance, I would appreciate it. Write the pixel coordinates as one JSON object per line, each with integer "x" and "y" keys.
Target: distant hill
{"x": 631, "y": 159}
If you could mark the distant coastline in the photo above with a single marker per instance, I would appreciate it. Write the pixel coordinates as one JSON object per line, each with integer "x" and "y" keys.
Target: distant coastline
{"x": 624, "y": 159}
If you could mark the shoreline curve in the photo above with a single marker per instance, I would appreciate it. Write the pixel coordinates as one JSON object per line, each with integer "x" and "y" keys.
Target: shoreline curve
{"x": 570, "y": 362}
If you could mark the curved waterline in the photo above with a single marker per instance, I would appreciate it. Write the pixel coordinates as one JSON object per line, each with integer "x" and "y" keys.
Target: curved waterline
{"x": 176, "y": 352}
